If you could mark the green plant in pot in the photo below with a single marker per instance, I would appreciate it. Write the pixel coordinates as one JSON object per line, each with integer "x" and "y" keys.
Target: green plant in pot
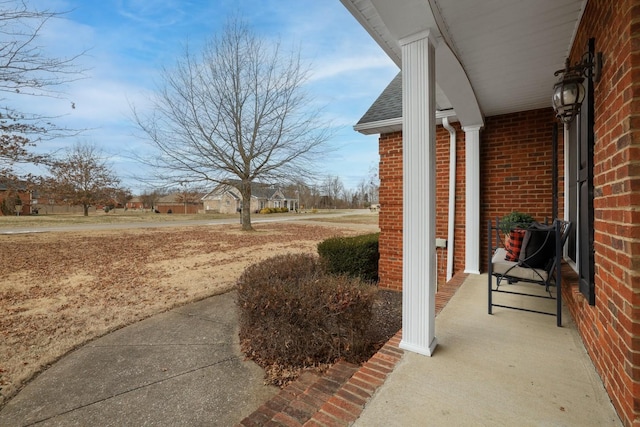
{"x": 514, "y": 219}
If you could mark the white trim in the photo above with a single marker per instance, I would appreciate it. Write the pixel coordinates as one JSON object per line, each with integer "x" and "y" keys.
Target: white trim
{"x": 568, "y": 176}
{"x": 575, "y": 29}
{"x": 393, "y": 125}
{"x": 428, "y": 351}
{"x": 422, "y": 35}
{"x": 472, "y": 196}
{"x": 379, "y": 126}
{"x": 451, "y": 214}
{"x": 379, "y": 33}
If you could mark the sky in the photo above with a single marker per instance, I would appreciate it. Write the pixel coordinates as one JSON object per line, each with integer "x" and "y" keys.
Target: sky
{"x": 128, "y": 42}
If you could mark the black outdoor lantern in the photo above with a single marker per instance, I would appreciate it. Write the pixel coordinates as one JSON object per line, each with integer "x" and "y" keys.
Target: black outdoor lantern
{"x": 569, "y": 92}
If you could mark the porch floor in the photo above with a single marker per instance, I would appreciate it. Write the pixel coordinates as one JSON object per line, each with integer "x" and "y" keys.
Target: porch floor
{"x": 509, "y": 368}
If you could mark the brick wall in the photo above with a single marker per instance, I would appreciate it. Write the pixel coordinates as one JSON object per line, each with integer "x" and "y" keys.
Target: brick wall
{"x": 611, "y": 328}
{"x": 390, "y": 219}
{"x": 516, "y": 168}
{"x": 516, "y": 159}
{"x": 390, "y": 267}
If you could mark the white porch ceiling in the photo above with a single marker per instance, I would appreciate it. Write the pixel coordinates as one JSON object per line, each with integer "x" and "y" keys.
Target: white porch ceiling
{"x": 508, "y": 49}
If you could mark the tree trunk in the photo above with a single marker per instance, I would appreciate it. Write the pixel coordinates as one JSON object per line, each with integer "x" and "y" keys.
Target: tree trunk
{"x": 86, "y": 210}
{"x": 245, "y": 214}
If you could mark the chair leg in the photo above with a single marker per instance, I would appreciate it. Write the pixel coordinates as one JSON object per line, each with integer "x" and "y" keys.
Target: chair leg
{"x": 559, "y": 302}
{"x": 490, "y": 304}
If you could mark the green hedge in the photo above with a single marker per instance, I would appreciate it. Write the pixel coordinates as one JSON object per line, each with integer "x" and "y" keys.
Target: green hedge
{"x": 356, "y": 256}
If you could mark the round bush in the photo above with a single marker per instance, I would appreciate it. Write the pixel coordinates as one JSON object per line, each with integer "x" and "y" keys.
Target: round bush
{"x": 293, "y": 313}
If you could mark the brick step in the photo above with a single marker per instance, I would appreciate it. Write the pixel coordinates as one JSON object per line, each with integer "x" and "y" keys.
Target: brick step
{"x": 302, "y": 399}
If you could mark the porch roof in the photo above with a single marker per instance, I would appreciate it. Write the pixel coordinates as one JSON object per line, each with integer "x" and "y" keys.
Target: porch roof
{"x": 493, "y": 57}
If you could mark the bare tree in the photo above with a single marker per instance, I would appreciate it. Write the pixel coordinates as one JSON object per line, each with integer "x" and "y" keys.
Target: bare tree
{"x": 362, "y": 193}
{"x": 235, "y": 114}
{"x": 25, "y": 69}
{"x": 150, "y": 198}
{"x": 333, "y": 189}
{"x": 120, "y": 196}
{"x": 82, "y": 177}
{"x": 188, "y": 196}
{"x": 373, "y": 184}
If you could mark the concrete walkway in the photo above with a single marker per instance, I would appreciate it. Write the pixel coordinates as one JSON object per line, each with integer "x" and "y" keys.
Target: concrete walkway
{"x": 182, "y": 367}
{"x": 511, "y": 368}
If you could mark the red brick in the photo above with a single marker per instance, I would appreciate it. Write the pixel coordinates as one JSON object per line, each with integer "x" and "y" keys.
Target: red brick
{"x": 354, "y": 398}
{"x": 346, "y": 405}
{"x": 286, "y": 420}
{"x": 363, "y": 384}
{"x": 325, "y": 419}
{"x": 339, "y": 413}
{"x": 357, "y": 391}
{"x": 300, "y": 411}
{"x": 375, "y": 382}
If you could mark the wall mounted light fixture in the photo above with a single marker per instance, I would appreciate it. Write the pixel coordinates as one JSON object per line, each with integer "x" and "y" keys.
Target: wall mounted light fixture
{"x": 568, "y": 92}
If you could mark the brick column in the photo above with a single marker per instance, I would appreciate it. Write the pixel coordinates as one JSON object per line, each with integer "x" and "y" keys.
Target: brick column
{"x": 419, "y": 149}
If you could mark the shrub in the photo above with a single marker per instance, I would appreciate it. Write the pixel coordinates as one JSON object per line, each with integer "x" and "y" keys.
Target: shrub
{"x": 294, "y": 314}
{"x": 356, "y": 256}
{"x": 514, "y": 219}
{"x": 5, "y": 208}
{"x": 273, "y": 210}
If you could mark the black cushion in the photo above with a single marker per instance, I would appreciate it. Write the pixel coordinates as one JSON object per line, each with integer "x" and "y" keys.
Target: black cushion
{"x": 538, "y": 247}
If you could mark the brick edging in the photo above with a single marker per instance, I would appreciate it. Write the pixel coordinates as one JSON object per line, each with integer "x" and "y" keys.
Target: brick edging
{"x": 338, "y": 398}
{"x": 347, "y": 404}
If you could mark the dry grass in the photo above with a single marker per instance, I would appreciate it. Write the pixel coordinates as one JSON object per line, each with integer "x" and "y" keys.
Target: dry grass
{"x": 60, "y": 290}
{"x": 365, "y": 218}
{"x": 120, "y": 216}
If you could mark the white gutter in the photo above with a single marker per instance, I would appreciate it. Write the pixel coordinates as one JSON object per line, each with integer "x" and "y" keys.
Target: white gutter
{"x": 395, "y": 124}
{"x": 381, "y": 126}
{"x": 452, "y": 195}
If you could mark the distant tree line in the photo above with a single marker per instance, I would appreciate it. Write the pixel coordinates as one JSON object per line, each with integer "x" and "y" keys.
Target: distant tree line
{"x": 330, "y": 193}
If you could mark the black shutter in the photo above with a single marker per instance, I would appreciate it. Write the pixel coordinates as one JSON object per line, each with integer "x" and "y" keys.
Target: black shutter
{"x": 585, "y": 189}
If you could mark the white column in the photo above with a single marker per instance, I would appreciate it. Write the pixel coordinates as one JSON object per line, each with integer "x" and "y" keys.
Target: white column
{"x": 419, "y": 177}
{"x": 472, "y": 194}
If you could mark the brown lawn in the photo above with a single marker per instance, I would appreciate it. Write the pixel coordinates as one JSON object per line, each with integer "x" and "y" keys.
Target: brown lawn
{"x": 61, "y": 289}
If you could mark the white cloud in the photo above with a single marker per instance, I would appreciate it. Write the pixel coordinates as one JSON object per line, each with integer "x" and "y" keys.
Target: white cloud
{"x": 153, "y": 13}
{"x": 332, "y": 67}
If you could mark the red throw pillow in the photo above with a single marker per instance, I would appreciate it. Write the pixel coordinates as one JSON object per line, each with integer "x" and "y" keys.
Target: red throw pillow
{"x": 514, "y": 244}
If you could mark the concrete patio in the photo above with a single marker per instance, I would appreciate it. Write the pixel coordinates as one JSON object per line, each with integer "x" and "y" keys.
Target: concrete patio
{"x": 509, "y": 368}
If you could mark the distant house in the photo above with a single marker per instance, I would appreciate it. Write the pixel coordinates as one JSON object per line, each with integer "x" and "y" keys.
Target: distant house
{"x": 227, "y": 199}
{"x": 180, "y": 203}
{"x": 135, "y": 203}
{"x": 45, "y": 203}
{"x": 17, "y": 199}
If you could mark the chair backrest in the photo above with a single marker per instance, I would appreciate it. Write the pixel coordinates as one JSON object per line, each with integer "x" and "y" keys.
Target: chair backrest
{"x": 562, "y": 227}
{"x": 539, "y": 250}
